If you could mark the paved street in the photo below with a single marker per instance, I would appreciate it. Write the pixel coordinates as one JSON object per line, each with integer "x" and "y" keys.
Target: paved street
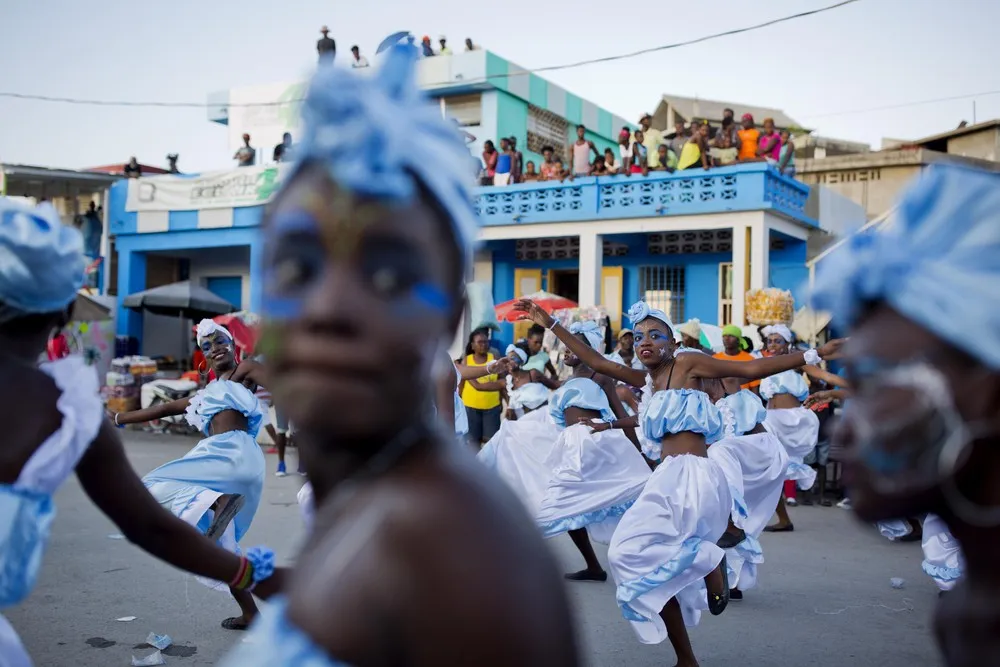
{"x": 824, "y": 599}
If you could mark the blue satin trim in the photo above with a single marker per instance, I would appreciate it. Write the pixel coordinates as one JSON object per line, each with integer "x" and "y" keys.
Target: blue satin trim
{"x": 739, "y": 504}
{"x": 27, "y": 519}
{"x": 679, "y": 410}
{"x": 629, "y": 591}
{"x": 786, "y": 382}
{"x": 553, "y": 528}
{"x": 278, "y": 642}
{"x": 746, "y": 408}
{"x": 581, "y": 393}
{"x": 225, "y": 395}
{"x": 797, "y": 470}
{"x": 941, "y": 573}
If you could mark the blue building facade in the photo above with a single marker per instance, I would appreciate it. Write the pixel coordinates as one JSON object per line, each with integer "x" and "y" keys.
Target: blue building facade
{"x": 691, "y": 242}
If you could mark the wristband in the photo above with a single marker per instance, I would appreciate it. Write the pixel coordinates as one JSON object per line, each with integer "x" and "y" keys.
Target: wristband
{"x": 812, "y": 357}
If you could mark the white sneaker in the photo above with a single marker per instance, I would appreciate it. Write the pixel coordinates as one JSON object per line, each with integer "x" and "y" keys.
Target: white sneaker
{"x": 791, "y": 502}
{"x": 844, "y": 504}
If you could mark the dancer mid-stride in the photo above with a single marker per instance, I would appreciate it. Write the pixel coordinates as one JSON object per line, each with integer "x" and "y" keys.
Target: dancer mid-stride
{"x": 595, "y": 471}
{"x": 755, "y": 463}
{"x": 54, "y": 426}
{"x": 663, "y": 554}
{"x": 366, "y": 249}
{"x": 796, "y": 427}
{"x": 217, "y": 485}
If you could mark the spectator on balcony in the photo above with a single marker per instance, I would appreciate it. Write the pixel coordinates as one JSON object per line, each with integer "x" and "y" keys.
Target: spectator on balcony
{"x": 580, "y": 152}
{"x": 695, "y": 152}
{"x": 729, "y": 129}
{"x": 550, "y": 170}
{"x": 640, "y": 162}
{"x": 283, "y": 151}
{"x": 490, "y": 159}
{"x": 610, "y": 163}
{"x": 786, "y": 165}
{"x": 561, "y": 172}
{"x": 503, "y": 164}
{"x": 91, "y": 229}
{"x": 326, "y": 47}
{"x": 516, "y": 161}
{"x": 723, "y": 150}
{"x": 172, "y": 163}
{"x": 359, "y": 60}
{"x": 679, "y": 139}
{"x": 598, "y": 168}
{"x": 625, "y": 151}
{"x": 246, "y": 155}
{"x": 749, "y": 136}
{"x": 665, "y": 159}
{"x": 133, "y": 169}
{"x": 769, "y": 144}
{"x": 445, "y": 51}
{"x": 652, "y": 138}
{"x": 530, "y": 175}
{"x": 469, "y": 46}
{"x": 426, "y": 50}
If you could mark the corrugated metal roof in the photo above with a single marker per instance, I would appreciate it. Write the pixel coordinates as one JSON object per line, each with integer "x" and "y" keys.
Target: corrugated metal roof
{"x": 694, "y": 107}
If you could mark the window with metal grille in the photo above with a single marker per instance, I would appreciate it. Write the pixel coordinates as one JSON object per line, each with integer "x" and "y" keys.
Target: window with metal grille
{"x": 663, "y": 287}
{"x": 547, "y": 129}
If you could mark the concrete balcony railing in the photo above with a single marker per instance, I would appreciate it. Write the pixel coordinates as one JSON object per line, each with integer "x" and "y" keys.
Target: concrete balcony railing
{"x": 746, "y": 187}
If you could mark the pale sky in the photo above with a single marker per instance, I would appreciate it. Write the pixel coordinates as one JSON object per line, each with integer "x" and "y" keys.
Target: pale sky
{"x": 873, "y": 53}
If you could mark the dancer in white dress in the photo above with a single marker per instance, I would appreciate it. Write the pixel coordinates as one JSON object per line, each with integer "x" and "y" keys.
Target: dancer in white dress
{"x": 519, "y": 451}
{"x": 796, "y": 427}
{"x": 663, "y": 554}
{"x": 756, "y": 463}
{"x": 55, "y": 426}
{"x": 595, "y": 470}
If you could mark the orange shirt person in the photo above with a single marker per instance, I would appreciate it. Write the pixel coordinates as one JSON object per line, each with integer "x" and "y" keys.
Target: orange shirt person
{"x": 749, "y": 138}
{"x": 735, "y": 350}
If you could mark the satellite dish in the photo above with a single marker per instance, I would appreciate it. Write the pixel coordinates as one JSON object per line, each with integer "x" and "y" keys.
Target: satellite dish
{"x": 392, "y": 40}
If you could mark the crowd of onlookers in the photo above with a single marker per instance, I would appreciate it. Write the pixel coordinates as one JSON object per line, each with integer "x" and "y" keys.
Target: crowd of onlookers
{"x": 690, "y": 146}
{"x": 326, "y": 47}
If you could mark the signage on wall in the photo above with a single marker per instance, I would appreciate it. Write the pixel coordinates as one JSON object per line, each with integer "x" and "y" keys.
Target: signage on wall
{"x": 832, "y": 177}
{"x": 234, "y": 188}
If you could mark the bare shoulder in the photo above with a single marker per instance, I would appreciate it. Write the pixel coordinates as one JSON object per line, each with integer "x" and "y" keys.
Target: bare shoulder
{"x": 478, "y": 562}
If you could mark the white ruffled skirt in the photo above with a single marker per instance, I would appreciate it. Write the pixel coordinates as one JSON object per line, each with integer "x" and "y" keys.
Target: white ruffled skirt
{"x": 943, "y": 560}
{"x": 665, "y": 545}
{"x": 12, "y": 651}
{"x": 593, "y": 479}
{"x": 518, "y": 453}
{"x": 761, "y": 463}
{"x": 797, "y": 429}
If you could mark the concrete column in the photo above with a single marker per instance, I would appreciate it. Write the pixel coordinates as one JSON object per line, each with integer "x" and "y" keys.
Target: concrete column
{"x": 741, "y": 258}
{"x": 591, "y": 263}
{"x": 760, "y": 250}
{"x": 131, "y": 279}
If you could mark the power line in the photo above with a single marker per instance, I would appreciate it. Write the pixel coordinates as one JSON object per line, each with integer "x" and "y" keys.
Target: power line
{"x": 549, "y": 68}
{"x": 902, "y": 105}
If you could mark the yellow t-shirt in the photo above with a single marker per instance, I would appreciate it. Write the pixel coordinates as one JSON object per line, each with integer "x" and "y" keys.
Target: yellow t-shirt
{"x": 480, "y": 400}
{"x": 652, "y": 139}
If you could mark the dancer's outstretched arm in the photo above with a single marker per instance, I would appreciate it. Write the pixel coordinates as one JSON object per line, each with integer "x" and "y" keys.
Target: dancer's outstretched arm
{"x": 171, "y": 409}
{"x": 110, "y": 481}
{"x": 587, "y": 354}
{"x": 702, "y": 365}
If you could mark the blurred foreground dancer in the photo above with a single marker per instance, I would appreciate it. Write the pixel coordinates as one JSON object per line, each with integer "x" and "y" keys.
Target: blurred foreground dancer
{"x": 55, "y": 424}
{"x": 923, "y": 423}
{"x": 417, "y": 555}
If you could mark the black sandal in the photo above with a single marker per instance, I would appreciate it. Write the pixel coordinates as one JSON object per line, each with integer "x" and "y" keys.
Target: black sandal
{"x": 235, "y": 623}
{"x": 224, "y": 517}
{"x": 779, "y": 529}
{"x": 730, "y": 540}
{"x": 587, "y": 575}
{"x": 718, "y": 603}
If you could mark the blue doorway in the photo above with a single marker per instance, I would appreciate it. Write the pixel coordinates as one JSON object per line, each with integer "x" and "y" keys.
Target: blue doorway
{"x": 229, "y": 288}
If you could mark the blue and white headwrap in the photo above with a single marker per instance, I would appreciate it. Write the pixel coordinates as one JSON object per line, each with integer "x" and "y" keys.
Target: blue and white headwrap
{"x": 41, "y": 260}
{"x": 590, "y": 331}
{"x": 208, "y": 328}
{"x": 521, "y": 354}
{"x": 640, "y": 311}
{"x": 379, "y": 136}
{"x": 938, "y": 264}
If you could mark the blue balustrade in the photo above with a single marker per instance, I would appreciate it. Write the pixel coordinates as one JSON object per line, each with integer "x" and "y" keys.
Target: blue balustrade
{"x": 746, "y": 187}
